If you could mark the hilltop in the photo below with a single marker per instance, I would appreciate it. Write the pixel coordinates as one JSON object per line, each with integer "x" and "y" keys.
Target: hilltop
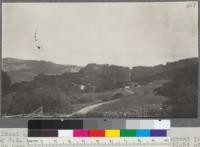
{"x": 25, "y": 70}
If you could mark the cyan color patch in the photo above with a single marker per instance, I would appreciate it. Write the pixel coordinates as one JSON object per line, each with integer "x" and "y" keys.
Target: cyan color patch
{"x": 143, "y": 133}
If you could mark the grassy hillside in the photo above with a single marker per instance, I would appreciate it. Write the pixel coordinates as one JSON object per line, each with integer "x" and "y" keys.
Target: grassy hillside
{"x": 25, "y": 70}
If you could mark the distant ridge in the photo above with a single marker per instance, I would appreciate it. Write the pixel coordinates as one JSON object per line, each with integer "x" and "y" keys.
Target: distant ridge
{"x": 25, "y": 70}
{"x": 166, "y": 71}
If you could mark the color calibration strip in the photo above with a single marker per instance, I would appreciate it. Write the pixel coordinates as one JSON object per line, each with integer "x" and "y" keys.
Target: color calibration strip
{"x": 98, "y": 133}
{"x": 99, "y": 124}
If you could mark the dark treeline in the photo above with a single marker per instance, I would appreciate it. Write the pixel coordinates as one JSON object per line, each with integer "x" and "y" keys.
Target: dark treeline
{"x": 182, "y": 92}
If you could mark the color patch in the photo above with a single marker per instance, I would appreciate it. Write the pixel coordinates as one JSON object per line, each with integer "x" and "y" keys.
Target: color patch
{"x": 49, "y": 133}
{"x": 96, "y": 133}
{"x": 42, "y": 133}
{"x": 158, "y": 133}
{"x": 80, "y": 133}
{"x": 143, "y": 133}
{"x": 162, "y": 124}
{"x": 128, "y": 133}
{"x": 65, "y": 133}
{"x": 112, "y": 133}
{"x": 55, "y": 124}
{"x": 34, "y": 133}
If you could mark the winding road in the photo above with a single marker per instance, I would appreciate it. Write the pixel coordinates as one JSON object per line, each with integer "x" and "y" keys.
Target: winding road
{"x": 87, "y": 109}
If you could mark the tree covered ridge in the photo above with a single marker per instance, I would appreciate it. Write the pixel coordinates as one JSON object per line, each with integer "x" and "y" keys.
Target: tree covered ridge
{"x": 182, "y": 92}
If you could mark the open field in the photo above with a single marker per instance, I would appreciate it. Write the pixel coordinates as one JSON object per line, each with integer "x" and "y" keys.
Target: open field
{"x": 141, "y": 102}
{"x": 99, "y": 98}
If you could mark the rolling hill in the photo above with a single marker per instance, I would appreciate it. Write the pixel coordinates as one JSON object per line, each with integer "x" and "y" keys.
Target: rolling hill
{"x": 57, "y": 92}
{"x": 25, "y": 70}
{"x": 142, "y": 74}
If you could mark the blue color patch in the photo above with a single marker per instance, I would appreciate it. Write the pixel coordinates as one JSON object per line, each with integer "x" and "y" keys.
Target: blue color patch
{"x": 143, "y": 133}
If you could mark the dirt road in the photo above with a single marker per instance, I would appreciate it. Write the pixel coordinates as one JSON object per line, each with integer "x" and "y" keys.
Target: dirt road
{"x": 87, "y": 109}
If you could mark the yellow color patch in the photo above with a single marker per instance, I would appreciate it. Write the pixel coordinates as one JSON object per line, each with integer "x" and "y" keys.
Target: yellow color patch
{"x": 112, "y": 133}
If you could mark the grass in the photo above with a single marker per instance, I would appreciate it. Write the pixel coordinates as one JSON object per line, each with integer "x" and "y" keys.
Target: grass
{"x": 143, "y": 100}
{"x": 87, "y": 99}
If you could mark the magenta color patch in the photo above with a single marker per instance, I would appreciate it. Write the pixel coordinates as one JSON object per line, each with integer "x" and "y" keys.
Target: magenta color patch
{"x": 80, "y": 133}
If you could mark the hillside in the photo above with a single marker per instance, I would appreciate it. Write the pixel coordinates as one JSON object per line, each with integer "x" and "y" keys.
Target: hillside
{"x": 46, "y": 91}
{"x": 144, "y": 74}
{"x": 94, "y": 83}
{"x": 105, "y": 77}
{"x": 57, "y": 93}
{"x": 182, "y": 92}
{"x": 25, "y": 70}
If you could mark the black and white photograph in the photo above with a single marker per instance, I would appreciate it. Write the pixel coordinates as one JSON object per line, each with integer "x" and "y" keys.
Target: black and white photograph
{"x": 96, "y": 60}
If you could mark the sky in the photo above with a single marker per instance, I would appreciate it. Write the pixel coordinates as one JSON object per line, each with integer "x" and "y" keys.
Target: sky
{"x": 126, "y": 34}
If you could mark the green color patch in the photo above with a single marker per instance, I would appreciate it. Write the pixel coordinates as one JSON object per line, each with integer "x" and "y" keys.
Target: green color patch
{"x": 127, "y": 133}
